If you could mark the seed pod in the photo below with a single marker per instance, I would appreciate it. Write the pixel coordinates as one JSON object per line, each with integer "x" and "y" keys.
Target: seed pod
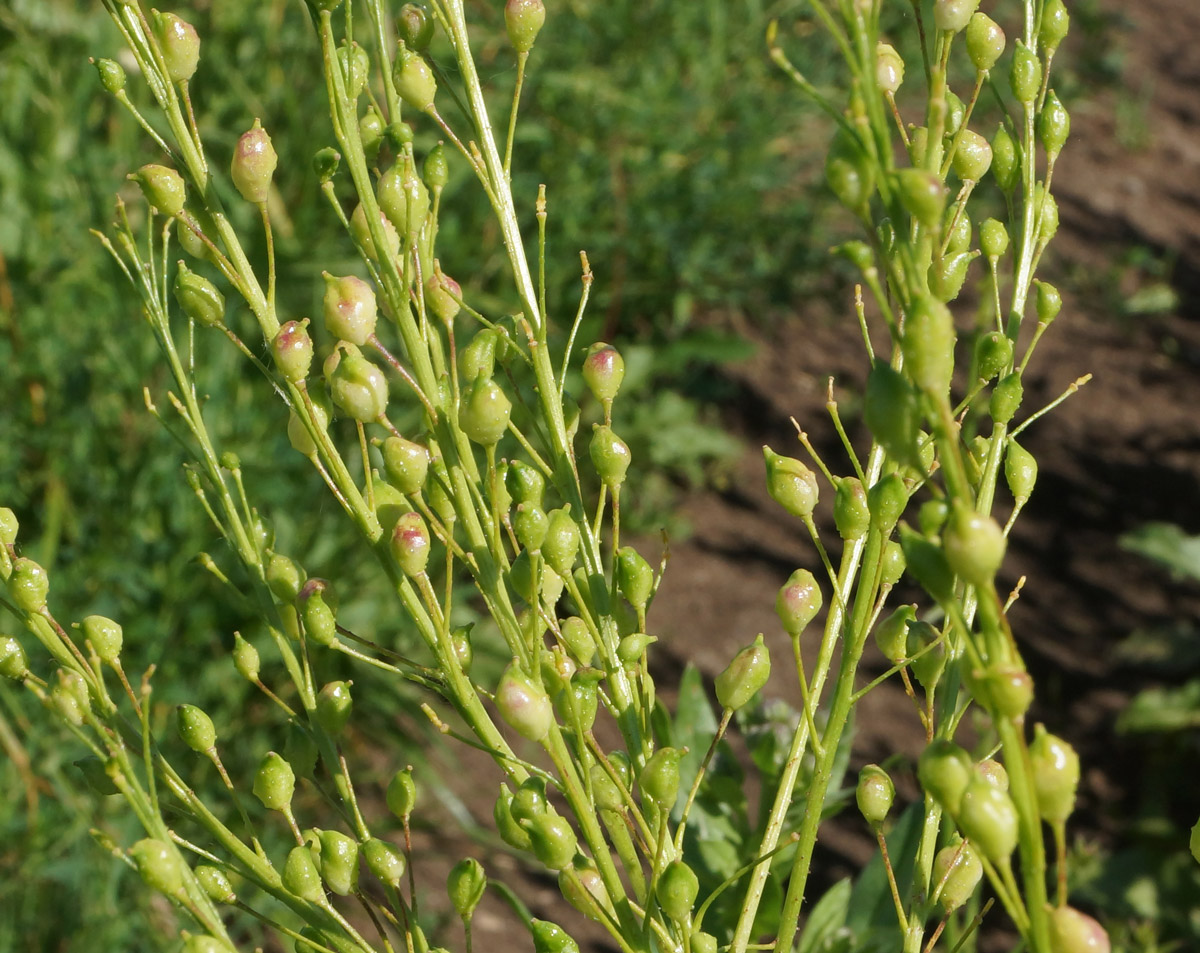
{"x": 1055, "y": 768}
{"x": 791, "y": 484}
{"x": 1047, "y": 216}
{"x": 850, "y": 175}
{"x": 744, "y": 676}
{"x": 635, "y": 578}
{"x": 887, "y": 500}
{"x": 385, "y": 862}
{"x": 442, "y": 295}
{"x": 105, "y": 636}
{"x": 891, "y": 635}
{"x": 993, "y": 355}
{"x": 358, "y": 388}
{"x": 414, "y": 26}
{"x": 1074, "y": 932}
{"x": 947, "y": 274}
{"x": 1006, "y": 398}
{"x": 985, "y": 41}
{"x": 1048, "y": 301}
{"x": 1006, "y": 691}
{"x": 944, "y": 771}
{"x": 253, "y": 164}
{"x": 676, "y": 890}
{"x": 927, "y": 663}
{"x": 413, "y": 78}
{"x": 436, "y": 169}
{"x": 891, "y": 412}
{"x": 1006, "y": 163}
{"x": 926, "y": 562}
{"x": 320, "y": 622}
{"x": 987, "y": 816}
{"x": 9, "y": 526}
{"x": 1054, "y": 126}
{"x": 285, "y": 577}
{"x": 993, "y": 239}
{"x": 510, "y": 831}
{"x": 339, "y": 862}
{"x": 301, "y": 878}
{"x": 659, "y": 778}
{"x": 958, "y": 231}
{"x": 334, "y": 704}
{"x": 245, "y": 658}
{"x": 484, "y": 412}
{"x": 610, "y": 456}
{"x": 406, "y": 463}
{"x": 1020, "y": 471}
{"x": 162, "y": 187}
{"x": 923, "y": 196}
{"x": 553, "y": 840}
{"x": 927, "y": 341}
{"x": 974, "y": 544}
{"x": 478, "y": 358}
{"x": 1025, "y": 79}
{"x": 195, "y": 728}
{"x": 851, "y": 513}
{"x": 603, "y": 371}
{"x": 159, "y": 866}
{"x": 29, "y": 585}
{"x": 112, "y": 75}
{"x": 973, "y": 157}
{"x": 525, "y": 483}
{"x": 350, "y": 310}
{"x": 404, "y": 198}
{"x": 993, "y": 772}
{"x": 292, "y": 349}
{"x": 958, "y": 869}
{"x": 402, "y": 793}
{"x": 198, "y": 298}
{"x": 632, "y": 648}
{"x": 410, "y": 544}
{"x": 215, "y": 883}
{"x": 325, "y": 163}
{"x": 952, "y": 16}
{"x": 465, "y": 885}
{"x": 274, "y": 783}
{"x": 361, "y": 233}
{"x": 703, "y": 942}
{"x": 523, "y": 20}
{"x": 583, "y": 696}
{"x": 577, "y": 639}
{"x": 874, "y": 794}
{"x": 562, "y": 541}
{"x": 180, "y": 45}
{"x": 205, "y": 944}
{"x": 356, "y": 67}
{"x": 12, "y": 659}
{"x": 889, "y": 68}
{"x": 798, "y": 602}
{"x": 523, "y": 705}
{"x": 370, "y": 133}
{"x": 551, "y": 938}
{"x": 583, "y": 888}
{"x": 1054, "y": 26}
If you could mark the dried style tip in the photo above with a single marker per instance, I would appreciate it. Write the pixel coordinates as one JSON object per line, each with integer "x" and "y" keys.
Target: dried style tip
{"x": 253, "y": 164}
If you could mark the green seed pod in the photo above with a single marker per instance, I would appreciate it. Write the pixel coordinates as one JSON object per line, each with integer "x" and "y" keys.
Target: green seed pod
{"x": 1026, "y": 77}
{"x": 887, "y": 500}
{"x": 635, "y": 578}
{"x": 245, "y": 658}
{"x": 659, "y": 778}
{"x": 858, "y": 254}
{"x": 1047, "y": 216}
{"x": 65, "y": 700}
{"x": 478, "y": 358}
{"x": 442, "y": 296}
{"x": 889, "y": 68}
{"x": 414, "y": 26}
{"x": 944, "y": 771}
{"x": 522, "y": 20}
{"x": 410, "y": 544}
{"x": 334, "y": 704}
{"x": 610, "y": 456}
{"x": 608, "y": 795}
{"x": 928, "y": 344}
{"x": 892, "y": 565}
{"x": 993, "y": 239}
{"x": 874, "y": 793}
{"x": 159, "y": 866}
{"x": 339, "y": 862}
{"x": 12, "y": 659}
{"x": 413, "y": 78}
{"x": 285, "y": 577}
{"x": 1020, "y": 471}
{"x": 523, "y": 705}
{"x": 9, "y": 526}
{"x": 112, "y": 76}
{"x": 253, "y": 164}
{"x": 325, "y": 163}
{"x": 850, "y": 510}
{"x": 603, "y": 371}
{"x": 521, "y": 579}
{"x": 932, "y": 517}
{"x": 274, "y": 782}
{"x": 510, "y": 831}
{"x": 1074, "y": 932}
{"x": 320, "y": 622}
{"x": 584, "y": 697}
{"x": 525, "y": 483}
{"x": 891, "y": 412}
{"x": 1048, "y": 301}
{"x": 484, "y": 412}
{"x": 436, "y": 169}
{"x": 1006, "y": 691}
{"x": 350, "y": 310}
{"x": 577, "y": 639}
{"x": 947, "y": 274}
{"x": 406, "y": 463}
{"x": 301, "y": 877}
{"x": 850, "y": 175}
{"x": 956, "y": 111}
{"x": 917, "y": 150}
{"x": 958, "y": 869}
{"x": 198, "y": 298}
{"x": 583, "y": 888}
{"x": 180, "y": 45}
{"x": 402, "y": 793}
{"x": 358, "y": 388}
{"x": 1055, "y": 768}
{"x": 958, "y": 232}
{"x": 988, "y": 818}
{"x": 562, "y": 541}
{"x": 1006, "y": 163}
{"x": 1054, "y": 126}
{"x": 361, "y": 233}
{"x": 951, "y": 16}
{"x": 985, "y": 41}
{"x": 205, "y": 944}
{"x": 465, "y": 885}
{"x": 926, "y": 562}
{"x": 974, "y": 544}
{"x": 798, "y": 602}
{"x": 676, "y": 891}
{"x": 386, "y": 863}
{"x": 29, "y": 585}
{"x": 292, "y": 349}
{"x": 923, "y": 196}
{"x": 370, "y": 133}
{"x": 298, "y": 435}
{"x": 703, "y": 942}
{"x": 195, "y": 728}
{"x": 356, "y": 67}
{"x": 530, "y": 800}
{"x": 404, "y": 198}
{"x": 216, "y": 884}
{"x": 1006, "y": 398}
{"x": 162, "y": 187}
{"x": 632, "y": 648}
{"x": 744, "y": 676}
{"x": 105, "y": 636}
{"x": 891, "y": 635}
{"x": 993, "y": 355}
{"x": 928, "y": 662}
{"x": 791, "y": 484}
{"x": 553, "y": 840}
{"x": 993, "y": 772}
{"x": 1054, "y": 26}
{"x": 551, "y": 938}
{"x": 973, "y": 157}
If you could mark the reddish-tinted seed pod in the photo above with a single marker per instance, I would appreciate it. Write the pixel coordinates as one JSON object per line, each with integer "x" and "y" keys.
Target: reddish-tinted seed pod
{"x": 744, "y": 676}
{"x": 610, "y": 456}
{"x": 874, "y": 794}
{"x": 159, "y": 865}
{"x": 891, "y": 634}
{"x": 798, "y": 602}
{"x": 301, "y": 878}
{"x": 1054, "y": 26}
{"x": 215, "y": 883}
{"x": 484, "y": 412}
{"x": 523, "y": 20}
{"x": 105, "y": 636}
{"x": 603, "y": 371}
{"x": 386, "y": 863}
{"x": 974, "y": 544}
{"x": 1006, "y": 398}
{"x": 791, "y": 484}
{"x": 1054, "y": 125}
{"x": 195, "y": 728}
{"x": 551, "y": 938}
{"x": 406, "y": 463}
{"x": 923, "y": 196}
{"x": 1006, "y": 164}
{"x": 958, "y": 870}
{"x": 993, "y": 355}
{"x": 402, "y": 793}
{"x": 12, "y": 659}
{"x": 952, "y": 16}
{"x": 413, "y": 78}
{"x": 162, "y": 187}
{"x": 927, "y": 340}
{"x": 414, "y": 26}
{"x": 889, "y": 67}
{"x": 29, "y": 585}
{"x": 1025, "y": 78}
{"x": 1020, "y": 471}
{"x": 993, "y": 238}
{"x": 274, "y": 782}
{"x": 851, "y": 513}
{"x": 253, "y": 164}
{"x": 945, "y": 770}
{"x": 349, "y": 308}
{"x": 988, "y": 818}
{"x": 292, "y": 349}
{"x": 245, "y": 658}
{"x": 659, "y": 778}
{"x": 985, "y": 41}
{"x": 465, "y": 885}
{"x": 359, "y": 388}
{"x": 676, "y": 890}
{"x": 1055, "y": 769}
{"x": 180, "y": 45}
{"x": 334, "y": 705}
{"x": 410, "y": 544}
{"x": 112, "y": 75}
{"x": 524, "y": 705}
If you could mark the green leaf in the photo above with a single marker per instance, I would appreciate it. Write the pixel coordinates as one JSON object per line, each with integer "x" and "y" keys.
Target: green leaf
{"x": 1167, "y": 545}
{"x": 827, "y": 918}
{"x": 1162, "y": 709}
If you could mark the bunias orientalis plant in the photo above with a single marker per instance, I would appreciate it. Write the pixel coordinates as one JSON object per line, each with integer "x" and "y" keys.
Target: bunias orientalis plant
{"x": 451, "y": 440}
